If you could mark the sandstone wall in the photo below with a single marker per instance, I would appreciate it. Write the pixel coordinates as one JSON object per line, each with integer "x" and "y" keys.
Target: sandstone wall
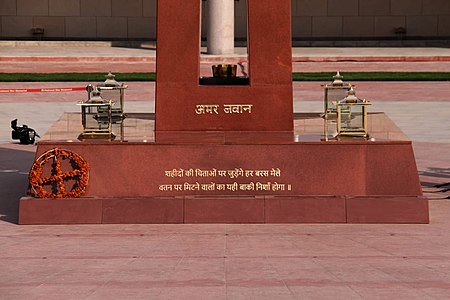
{"x": 311, "y": 19}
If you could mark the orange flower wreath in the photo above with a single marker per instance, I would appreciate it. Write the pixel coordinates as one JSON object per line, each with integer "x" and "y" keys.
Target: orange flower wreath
{"x": 80, "y": 174}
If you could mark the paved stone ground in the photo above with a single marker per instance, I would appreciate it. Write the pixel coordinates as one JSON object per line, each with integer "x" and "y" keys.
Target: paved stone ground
{"x": 421, "y": 109}
{"x": 228, "y": 261}
{"x": 326, "y": 261}
{"x": 35, "y": 57}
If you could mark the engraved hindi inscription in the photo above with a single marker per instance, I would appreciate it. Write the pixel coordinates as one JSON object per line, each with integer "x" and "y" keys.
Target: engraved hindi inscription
{"x": 202, "y": 109}
{"x": 218, "y": 180}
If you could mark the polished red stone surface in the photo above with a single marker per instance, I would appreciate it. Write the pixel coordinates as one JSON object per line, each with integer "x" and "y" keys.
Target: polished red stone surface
{"x": 267, "y": 98}
{"x": 387, "y": 209}
{"x": 306, "y": 209}
{"x": 301, "y": 168}
{"x": 225, "y": 209}
{"x": 68, "y": 211}
{"x": 142, "y": 211}
{"x": 224, "y": 171}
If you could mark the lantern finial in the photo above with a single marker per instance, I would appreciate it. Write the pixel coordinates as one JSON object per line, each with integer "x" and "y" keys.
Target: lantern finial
{"x": 110, "y": 80}
{"x": 351, "y": 96}
{"x": 338, "y": 79}
{"x": 96, "y": 97}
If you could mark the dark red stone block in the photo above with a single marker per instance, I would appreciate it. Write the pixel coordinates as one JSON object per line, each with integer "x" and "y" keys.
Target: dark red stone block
{"x": 305, "y": 209}
{"x": 269, "y": 91}
{"x": 224, "y": 210}
{"x": 391, "y": 170}
{"x": 269, "y": 39}
{"x": 224, "y": 137}
{"x": 189, "y": 137}
{"x": 35, "y": 211}
{"x": 143, "y": 211}
{"x": 125, "y": 170}
{"x": 259, "y": 137}
{"x": 388, "y": 209}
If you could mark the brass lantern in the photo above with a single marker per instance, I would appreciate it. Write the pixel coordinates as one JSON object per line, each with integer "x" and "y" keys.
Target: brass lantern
{"x": 334, "y": 91}
{"x": 96, "y": 118}
{"x": 352, "y": 115}
{"x": 114, "y": 91}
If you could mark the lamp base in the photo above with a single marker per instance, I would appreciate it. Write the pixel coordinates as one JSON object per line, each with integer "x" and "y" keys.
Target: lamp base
{"x": 86, "y": 136}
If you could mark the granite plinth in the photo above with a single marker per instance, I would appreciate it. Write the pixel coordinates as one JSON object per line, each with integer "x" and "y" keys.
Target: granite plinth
{"x": 184, "y": 104}
{"x": 224, "y": 209}
{"x": 229, "y": 177}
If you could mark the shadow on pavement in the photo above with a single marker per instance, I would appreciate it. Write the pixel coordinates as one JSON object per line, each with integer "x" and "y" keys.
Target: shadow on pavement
{"x": 146, "y": 45}
{"x": 437, "y": 183}
{"x": 14, "y": 167}
{"x": 441, "y": 174}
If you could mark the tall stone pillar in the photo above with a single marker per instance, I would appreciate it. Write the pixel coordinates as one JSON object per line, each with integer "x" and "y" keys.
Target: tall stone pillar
{"x": 220, "y": 31}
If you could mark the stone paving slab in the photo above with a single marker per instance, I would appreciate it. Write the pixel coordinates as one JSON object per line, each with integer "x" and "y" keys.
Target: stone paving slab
{"x": 231, "y": 261}
{"x": 205, "y": 67}
{"x": 103, "y": 50}
{"x": 56, "y": 57}
{"x": 374, "y": 91}
{"x": 226, "y": 261}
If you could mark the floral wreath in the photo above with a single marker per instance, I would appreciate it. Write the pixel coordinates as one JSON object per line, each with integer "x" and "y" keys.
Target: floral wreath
{"x": 80, "y": 174}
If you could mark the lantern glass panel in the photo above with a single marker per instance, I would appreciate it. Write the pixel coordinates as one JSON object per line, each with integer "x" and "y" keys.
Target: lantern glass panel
{"x": 352, "y": 118}
{"x": 115, "y": 95}
{"x": 334, "y": 94}
{"x": 96, "y": 118}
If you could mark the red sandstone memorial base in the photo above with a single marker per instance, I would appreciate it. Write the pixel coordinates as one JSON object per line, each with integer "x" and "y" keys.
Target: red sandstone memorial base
{"x": 234, "y": 153}
{"x": 191, "y": 210}
{"x": 282, "y": 182}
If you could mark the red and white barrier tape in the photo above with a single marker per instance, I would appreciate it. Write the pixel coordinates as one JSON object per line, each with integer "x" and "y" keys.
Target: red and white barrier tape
{"x": 44, "y": 90}
{"x": 241, "y": 65}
